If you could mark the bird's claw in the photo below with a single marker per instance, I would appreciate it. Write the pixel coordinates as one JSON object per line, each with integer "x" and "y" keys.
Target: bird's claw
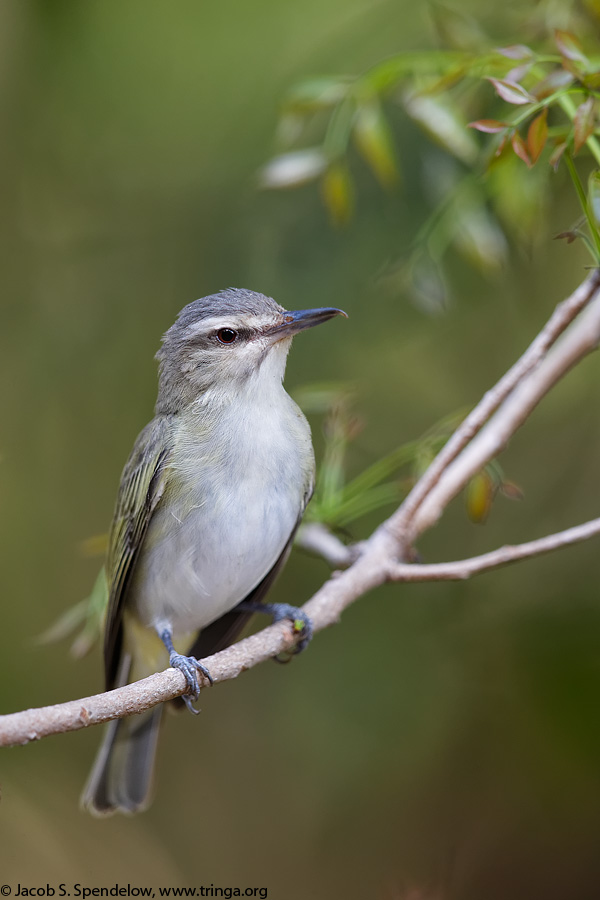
{"x": 189, "y": 666}
{"x": 301, "y": 623}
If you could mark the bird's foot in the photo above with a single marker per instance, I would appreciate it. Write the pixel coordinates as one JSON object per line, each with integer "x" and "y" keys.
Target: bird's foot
{"x": 189, "y": 666}
{"x": 301, "y": 622}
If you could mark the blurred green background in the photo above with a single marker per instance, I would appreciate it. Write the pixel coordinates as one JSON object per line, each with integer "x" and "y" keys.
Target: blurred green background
{"x": 443, "y": 739}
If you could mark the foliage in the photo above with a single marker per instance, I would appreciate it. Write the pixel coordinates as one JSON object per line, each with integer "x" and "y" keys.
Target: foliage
{"x": 537, "y": 106}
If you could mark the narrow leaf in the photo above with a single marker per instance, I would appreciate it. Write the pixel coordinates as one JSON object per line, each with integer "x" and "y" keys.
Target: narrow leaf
{"x": 537, "y": 135}
{"x": 511, "y": 92}
{"x": 594, "y": 195}
{"x": 511, "y": 490}
{"x": 518, "y": 145}
{"x": 293, "y": 169}
{"x": 568, "y": 236}
{"x": 518, "y": 73}
{"x": 569, "y": 46}
{"x": 555, "y": 81}
{"x": 476, "y": 232}
{"x": 556, "y": 155}
{"x": 516, "y": 51}
{"x": 584, "y": 123}
{"x": 316, "y": 93}
{"x": 338, "y": 193}
{"x": 489, "y": 126}
{"x": 373, "y": 139}
{"x": 500, "y": 148}
{"x": 443, "y": 123}
{"x": 455, "y": 29}
{"x": 479, "y": 497}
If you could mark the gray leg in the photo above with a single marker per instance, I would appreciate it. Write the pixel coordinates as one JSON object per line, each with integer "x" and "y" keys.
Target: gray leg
{"x": 190, "y": 667}
{"x": 301, "y": 622}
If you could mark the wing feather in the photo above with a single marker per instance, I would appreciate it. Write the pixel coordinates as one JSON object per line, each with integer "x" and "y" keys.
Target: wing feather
{"x": 142, "y": 485}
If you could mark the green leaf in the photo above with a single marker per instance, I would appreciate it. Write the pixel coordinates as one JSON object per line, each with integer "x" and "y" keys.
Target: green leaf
{"x": 371, "y": 500}
{"x": 88, "y": 613}
{"x": 442, "y": 121}
{"x": 66, "y": 623}
{"x": 380, "y": 470}
{"x": 322, "y": 397}
{"x": 584, "y": 123}
{"x": 455, "y": 29}
{"x": 519, "y": 197}
{"x": 537, "y": 135}
{"x": 338, "y": 193}
{"x": 374, "y": 142}
{"x": 511, "y": 91}
{"x": 316, "y": 93}
{"x": 389, "y": 73}
{"x": 426, "y": 283}
{"x": 292, "y": 169}
{"x": 477, "y": 234}
{"x": 594, "y": 195}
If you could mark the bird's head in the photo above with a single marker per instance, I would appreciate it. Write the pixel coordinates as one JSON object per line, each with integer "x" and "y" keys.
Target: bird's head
{"x": 224, "y": 343}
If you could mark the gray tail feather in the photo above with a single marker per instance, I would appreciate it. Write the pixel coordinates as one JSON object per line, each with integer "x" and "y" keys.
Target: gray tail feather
{"x": 121, "y": 777}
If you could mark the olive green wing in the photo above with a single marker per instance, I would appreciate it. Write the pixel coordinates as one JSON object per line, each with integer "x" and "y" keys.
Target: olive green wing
{"x": 142, "y": 485}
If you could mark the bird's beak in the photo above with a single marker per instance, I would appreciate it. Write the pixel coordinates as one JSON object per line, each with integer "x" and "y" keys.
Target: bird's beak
{"x": 300, "y": 319}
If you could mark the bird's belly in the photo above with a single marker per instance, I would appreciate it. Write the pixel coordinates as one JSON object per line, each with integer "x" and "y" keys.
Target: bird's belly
{"x": 204, "y": 554}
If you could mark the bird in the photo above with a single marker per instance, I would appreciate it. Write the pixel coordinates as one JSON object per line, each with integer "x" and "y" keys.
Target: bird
{"x": 207, "y": 508}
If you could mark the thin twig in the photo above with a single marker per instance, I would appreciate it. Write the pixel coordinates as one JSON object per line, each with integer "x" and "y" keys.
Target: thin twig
{"x": 581, "y": 339}
{"x": 400, "y": 524}
{"x": 461, "y": 569}
{"x": 317, "y": 539}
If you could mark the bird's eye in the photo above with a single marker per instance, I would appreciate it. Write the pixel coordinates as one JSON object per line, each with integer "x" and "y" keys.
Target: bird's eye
{"x": 226, "y": 335}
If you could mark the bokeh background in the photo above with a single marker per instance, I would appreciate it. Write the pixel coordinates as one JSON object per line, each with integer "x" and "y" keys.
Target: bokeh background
{"x": 443, "y": 740}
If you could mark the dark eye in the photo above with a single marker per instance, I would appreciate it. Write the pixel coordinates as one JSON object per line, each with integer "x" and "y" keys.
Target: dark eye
{"x": 226, "y": 335}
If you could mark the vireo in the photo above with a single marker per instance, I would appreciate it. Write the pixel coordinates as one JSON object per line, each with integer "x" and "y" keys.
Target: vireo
{"x": 208, "y": 505}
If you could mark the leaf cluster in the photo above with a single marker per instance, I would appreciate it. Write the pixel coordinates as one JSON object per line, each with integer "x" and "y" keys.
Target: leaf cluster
{"x": 538, "y": 103}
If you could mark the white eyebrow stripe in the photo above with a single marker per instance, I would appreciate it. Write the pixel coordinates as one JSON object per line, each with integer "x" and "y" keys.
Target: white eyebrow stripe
{"x": 212, "y": 324}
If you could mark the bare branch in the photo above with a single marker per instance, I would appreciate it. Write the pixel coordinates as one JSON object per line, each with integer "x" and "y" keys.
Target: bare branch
{"x": 317, "y": 539}
{"x": 324, "y": 609}
{"x": 582, "y": 337}
{"x": 374, "y": 561}
{"x": 461, "y": 569}
{"x": 401, "y": 523}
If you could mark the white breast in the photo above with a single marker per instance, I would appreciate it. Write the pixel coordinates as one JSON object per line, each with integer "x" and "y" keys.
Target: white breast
{"x": 228, "y": 516}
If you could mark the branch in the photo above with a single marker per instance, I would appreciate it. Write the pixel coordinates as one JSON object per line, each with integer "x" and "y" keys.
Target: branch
{"x": 375, "y": 561}
{"x": 461, "y": 569}
{"x": 401, "y": 524}
{"x": 582, "y": 337}
{"x": 324, "y": 609}
{"x": 317, "y": 539}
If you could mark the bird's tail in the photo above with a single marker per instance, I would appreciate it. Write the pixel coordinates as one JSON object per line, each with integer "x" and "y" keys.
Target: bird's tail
{"x": 121, "y": 777}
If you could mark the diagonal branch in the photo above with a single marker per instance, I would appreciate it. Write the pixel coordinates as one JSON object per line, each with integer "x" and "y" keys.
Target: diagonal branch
{"x": 401, "y": 523}
{"x": 375, "y": 560}
{"x": 461, "y": 569}
{"x": 581, "y": 339}
{"x": 324, "y": 609}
